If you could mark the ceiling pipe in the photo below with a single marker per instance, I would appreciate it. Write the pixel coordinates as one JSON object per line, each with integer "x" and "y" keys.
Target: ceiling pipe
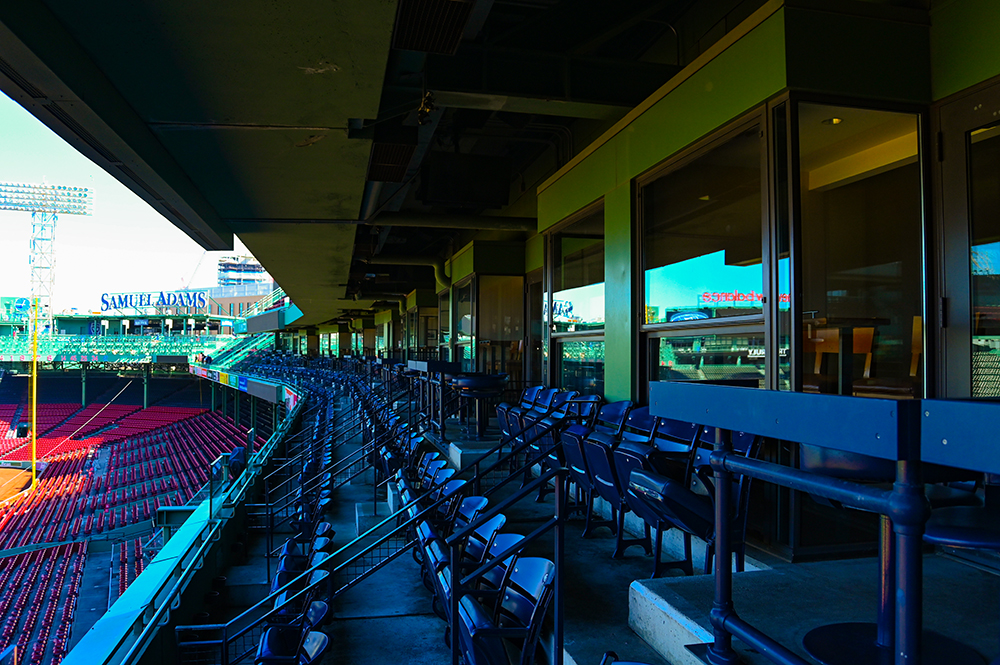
{"x": 388, "y": 297}
{"x": 474, "y": 222}
{"x": 438, "y": 264}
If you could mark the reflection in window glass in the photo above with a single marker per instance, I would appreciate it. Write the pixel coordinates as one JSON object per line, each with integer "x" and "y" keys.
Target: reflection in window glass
{"x": 702, "y": 238}
{"x": 380, "y": 336}
{"x": 984, "y": 174}
{"x": 464, "y": 326}
{"x": 578, "y": 275}
{"x": 581, "y": 367}
{"x": 501, "y": 325}
{"x": 444, "y": 318}
{"x": 737, "y": 359}
{"x": 861, "y": 215}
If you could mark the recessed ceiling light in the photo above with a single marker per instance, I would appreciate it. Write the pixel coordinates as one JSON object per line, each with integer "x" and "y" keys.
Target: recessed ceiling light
{"x": 833, "y": 121}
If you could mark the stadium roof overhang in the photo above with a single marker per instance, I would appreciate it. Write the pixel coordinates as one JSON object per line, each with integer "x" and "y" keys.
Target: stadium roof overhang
{"x": 323, "y": 134}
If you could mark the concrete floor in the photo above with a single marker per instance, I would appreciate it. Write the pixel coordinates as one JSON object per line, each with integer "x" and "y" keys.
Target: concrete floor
{"x": 387, "y": 618}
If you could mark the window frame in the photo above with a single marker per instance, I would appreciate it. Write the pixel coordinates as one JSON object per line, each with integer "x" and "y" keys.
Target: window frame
{"x": 758, "y": 117}
{"x": 549, "y": 275}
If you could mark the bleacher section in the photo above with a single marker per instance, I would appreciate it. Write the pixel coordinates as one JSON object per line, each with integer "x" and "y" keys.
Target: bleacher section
{"x": 39, "y": 593}
{"x": 112, "y": 348}
{"x": 158, "y": 456}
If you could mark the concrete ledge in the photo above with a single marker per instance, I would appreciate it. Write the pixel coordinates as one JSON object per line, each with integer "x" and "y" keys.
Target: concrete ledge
{"x": 663, "y": 619}
{"x": 463, "y": 453}
{"x": 788, "y": 601}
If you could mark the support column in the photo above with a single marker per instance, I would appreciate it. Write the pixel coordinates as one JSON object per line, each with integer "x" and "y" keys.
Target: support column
{"x": 620, "y": 321}
{"x": 83, "y": 384}
{"x": 236, "y": 406}
{"x": 145, "y": 387}
{"x": 253, "y": 412}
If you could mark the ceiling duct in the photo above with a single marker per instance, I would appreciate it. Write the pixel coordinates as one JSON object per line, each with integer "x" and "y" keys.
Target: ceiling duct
{"x": 431, "y": 26}
{"x": 392, "y": 150}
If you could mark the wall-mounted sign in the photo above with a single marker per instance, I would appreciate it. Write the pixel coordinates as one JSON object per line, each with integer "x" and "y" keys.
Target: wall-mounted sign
{"x": 196, "y": 299}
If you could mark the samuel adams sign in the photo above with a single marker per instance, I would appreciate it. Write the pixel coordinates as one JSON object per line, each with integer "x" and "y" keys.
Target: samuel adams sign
{"x": 195, "y": 299}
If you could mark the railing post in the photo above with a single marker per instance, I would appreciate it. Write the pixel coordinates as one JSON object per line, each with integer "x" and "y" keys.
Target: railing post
{"x": 909, "y": 511}
{"x": 721, "y": 651}
{"x": 559, "y": 555}
{"x": 456, "y": 581}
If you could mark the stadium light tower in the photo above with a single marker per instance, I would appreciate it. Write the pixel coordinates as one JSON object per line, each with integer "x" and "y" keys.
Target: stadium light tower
{"x": 45, "y": 203}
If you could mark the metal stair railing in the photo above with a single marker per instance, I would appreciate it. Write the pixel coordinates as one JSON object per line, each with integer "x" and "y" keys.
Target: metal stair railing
{"x": 461, "y": 585}
{"x": 234, "y": 642}
{"x": 264, "y": 303}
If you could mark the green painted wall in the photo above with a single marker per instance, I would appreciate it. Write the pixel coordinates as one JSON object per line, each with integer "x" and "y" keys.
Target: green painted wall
{"x": 461, "y": 263}
{"x": 965, "y": 49}
{"x": 745, "y": 74}
{"x": 874, "y": 57}
{"x": 534, "y": 253}
{"x": 620, "y": 324}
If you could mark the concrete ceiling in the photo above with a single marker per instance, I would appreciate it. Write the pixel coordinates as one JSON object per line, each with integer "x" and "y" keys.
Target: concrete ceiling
{"x": 218, "y": 114}
{"x": 235, "y": 118}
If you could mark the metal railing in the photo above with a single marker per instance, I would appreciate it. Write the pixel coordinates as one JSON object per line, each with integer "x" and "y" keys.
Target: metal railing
{"x": 264, "y": 303}
{"x": 908, "y": 432}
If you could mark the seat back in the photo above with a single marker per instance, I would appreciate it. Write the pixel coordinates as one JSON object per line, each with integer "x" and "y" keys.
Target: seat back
{"x": 639, "y": 426}
{"x": 468, "y": 511}
{"x": 430, "y": 473}
{"x": 524, "y": 599}
{"x": 493, "y": 578}
{"x": 480, "y": 540}
{"x": 529, "y": 395}
{"x": 598, "y": 449}
{"x": 611, "y": 418}
{"x": 571, "y": 440}
{"x": 584, "y": 408}
{"x": 630, "y": 455}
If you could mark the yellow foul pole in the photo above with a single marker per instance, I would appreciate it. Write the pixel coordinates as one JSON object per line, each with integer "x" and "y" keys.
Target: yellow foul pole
{"x": 34, "y": 396}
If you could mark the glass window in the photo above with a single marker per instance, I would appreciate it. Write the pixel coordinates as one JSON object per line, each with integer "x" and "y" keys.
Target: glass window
{"x": 501, "y": 324}
{"x": 380, "y": 337}
{"x": 465, "y": 325}
{"x": 984, "y": 174}
{"x": 581, "y": 366}
{"x": 702, "y": 239}
{"x": 444, "y": 317}
{"x": 736, "y": 359}
{"x": 578, "y": 275}
{"x": 861, "y": 212}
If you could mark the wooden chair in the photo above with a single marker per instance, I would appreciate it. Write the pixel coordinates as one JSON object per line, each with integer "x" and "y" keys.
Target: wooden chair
{"x": 897, "y": 387}
{"x": 821, "y": 341}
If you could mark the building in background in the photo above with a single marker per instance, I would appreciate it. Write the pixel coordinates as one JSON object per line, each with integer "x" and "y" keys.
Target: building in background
{"x": 235, "y": 270}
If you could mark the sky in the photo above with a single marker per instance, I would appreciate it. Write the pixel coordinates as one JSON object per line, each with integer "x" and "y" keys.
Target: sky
{"x": 125, "y": 247}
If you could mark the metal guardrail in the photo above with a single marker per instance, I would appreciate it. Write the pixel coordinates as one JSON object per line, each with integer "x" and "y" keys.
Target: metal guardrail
{"x": 264, "y": 303}
{"x": 908, "y": 432}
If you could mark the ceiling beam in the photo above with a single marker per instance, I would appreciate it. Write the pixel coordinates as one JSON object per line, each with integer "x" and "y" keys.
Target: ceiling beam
{"x": 540, "y": 82}
{"x": 45, "y": 70}
{"x": 428, "y": 221}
